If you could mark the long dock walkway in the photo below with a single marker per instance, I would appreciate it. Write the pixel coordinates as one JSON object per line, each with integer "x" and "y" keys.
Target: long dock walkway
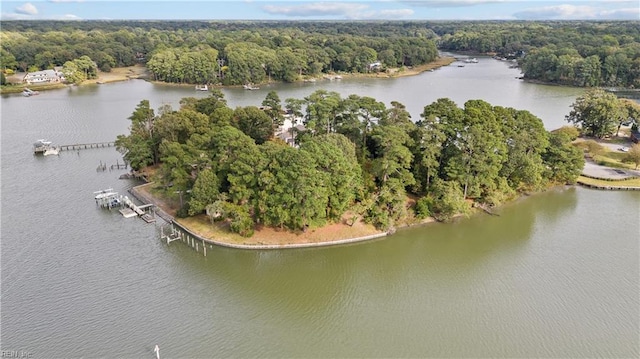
{"x": 84, "y": 146}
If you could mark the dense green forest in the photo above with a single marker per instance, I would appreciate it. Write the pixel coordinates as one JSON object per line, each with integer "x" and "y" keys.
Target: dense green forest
{"x": 210, "y": 52}
{"x": 582, "y": 53}
{"x": 355, "y": 154}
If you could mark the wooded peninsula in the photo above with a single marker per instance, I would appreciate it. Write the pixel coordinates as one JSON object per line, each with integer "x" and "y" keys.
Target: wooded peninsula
{"x": 353, "y": 159}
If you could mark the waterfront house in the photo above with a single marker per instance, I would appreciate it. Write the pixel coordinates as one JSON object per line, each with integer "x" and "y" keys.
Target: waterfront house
{"x": 41, "y": 77}
{"x": 290, "y": 128}
{"x": 375, "y": 66}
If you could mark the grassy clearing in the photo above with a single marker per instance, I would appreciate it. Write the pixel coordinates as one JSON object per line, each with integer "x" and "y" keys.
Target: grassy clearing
{"x": 610, "y": 157}
{"x": 17, "y": 88}
{"x": 405, "y": 71}
{"x": 615, "y": 159}
{"x": 218, "y": 231}
{"x": 115, "y": 75}
{"x": 634, "y": 182}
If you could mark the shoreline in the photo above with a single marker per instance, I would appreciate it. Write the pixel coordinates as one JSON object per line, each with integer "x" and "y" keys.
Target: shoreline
{"x": 120, "y": 74}
{"x": 264, "y": 238}
{"x": 232, "y": 240}
{"x": 304, "y": 240}
{"x": 389, "y": 74}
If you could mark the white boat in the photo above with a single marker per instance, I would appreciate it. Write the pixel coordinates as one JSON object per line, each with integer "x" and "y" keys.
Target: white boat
{"x": 52, "y": 151}
{"x": 250, "y": 87}
{"x": 471, "y": 61}
{"x": 28, "y": 92}
{"x": 41, "y": 146}
{"x": 105, "y": 193}
{"x": 202, "y": 88}
{"x": 108, "y": 198}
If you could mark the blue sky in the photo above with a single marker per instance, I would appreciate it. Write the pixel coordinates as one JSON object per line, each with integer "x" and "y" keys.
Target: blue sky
{"x": 321, "y": 10}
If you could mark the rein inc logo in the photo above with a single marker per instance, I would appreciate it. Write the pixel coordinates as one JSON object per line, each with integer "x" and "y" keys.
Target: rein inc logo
{"x": 15, "y": 354}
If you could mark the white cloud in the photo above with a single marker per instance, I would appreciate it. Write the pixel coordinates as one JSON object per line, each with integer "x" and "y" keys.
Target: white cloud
{"x": 450, "y": 3}
{"x": 395, "y": 13}
{"x": 574, "y": 12}
{"x": 69, "y": 17}
{"x": 13, "y": 16}
{"x": 620, "y": 1}
{"x": 27, "y": 9}
{"x": 349, "y": 10}
{"x": 621, "y": 14}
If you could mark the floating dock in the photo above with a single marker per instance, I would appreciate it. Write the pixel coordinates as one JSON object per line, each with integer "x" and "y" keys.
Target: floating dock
{"x": 108, "y": 198}
{"x": 127, "y": 213}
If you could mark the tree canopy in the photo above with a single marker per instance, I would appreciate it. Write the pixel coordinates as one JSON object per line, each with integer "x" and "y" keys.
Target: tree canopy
{"x": 226, "y": 52}
{"x": 355, "y": 155}
{"x": 599, "y": 113}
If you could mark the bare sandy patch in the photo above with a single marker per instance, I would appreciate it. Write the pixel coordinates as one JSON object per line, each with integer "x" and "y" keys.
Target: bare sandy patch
{"x": 219, "y": 231}
{"x": 120, "y": 74}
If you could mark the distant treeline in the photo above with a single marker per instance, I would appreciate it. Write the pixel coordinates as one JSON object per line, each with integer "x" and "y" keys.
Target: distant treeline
{"x": 582, "y": 53}
{"x": 578, "y": 53}
{"x": 211, "y": 52}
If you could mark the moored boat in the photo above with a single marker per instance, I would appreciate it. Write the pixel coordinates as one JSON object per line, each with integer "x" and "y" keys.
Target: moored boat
{"x": 41, "y": 146}
{"x": 250, "y": 87}
{"x": 28, "y": 92}
{"x": 202, "y": 88}
{"x": 51, "y": 151}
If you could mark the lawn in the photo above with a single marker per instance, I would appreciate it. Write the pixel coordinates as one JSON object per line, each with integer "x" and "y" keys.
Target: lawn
{"x": 610, "y": 157}
{"x": 634, "y": 182}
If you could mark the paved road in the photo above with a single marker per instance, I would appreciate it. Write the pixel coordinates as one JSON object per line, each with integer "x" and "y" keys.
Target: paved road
{"x": 594, "y": 170}
{"x": 616, "y": 146}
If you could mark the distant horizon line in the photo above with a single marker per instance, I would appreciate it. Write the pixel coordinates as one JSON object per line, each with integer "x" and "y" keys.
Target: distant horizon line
{"x": 323, "y": 20}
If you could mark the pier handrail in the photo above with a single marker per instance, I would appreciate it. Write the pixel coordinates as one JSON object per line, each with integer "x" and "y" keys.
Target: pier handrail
{"x": 82, "y": 146}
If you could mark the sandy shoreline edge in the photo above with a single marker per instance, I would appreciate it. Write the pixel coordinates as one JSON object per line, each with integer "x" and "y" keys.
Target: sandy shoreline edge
{"x": 139, "y": 192}
{"x": 140, "y": 72}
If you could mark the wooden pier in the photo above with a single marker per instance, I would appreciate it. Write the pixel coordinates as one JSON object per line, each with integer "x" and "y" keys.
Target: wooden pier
{"x": 118, "y": 166}
{"x": 84, "y": 146}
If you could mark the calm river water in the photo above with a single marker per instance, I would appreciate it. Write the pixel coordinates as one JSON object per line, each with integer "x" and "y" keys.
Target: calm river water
{"x": 555, "y": 275}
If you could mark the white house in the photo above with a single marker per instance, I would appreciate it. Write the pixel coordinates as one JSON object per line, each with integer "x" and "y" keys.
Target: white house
{"x": 291, "y": 126}
{"x": 375, "y": 65}
{"x": 46, "y": 76}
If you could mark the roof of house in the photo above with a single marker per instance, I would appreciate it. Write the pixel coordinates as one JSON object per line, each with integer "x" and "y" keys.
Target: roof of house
{"x": 43, "y": 73}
